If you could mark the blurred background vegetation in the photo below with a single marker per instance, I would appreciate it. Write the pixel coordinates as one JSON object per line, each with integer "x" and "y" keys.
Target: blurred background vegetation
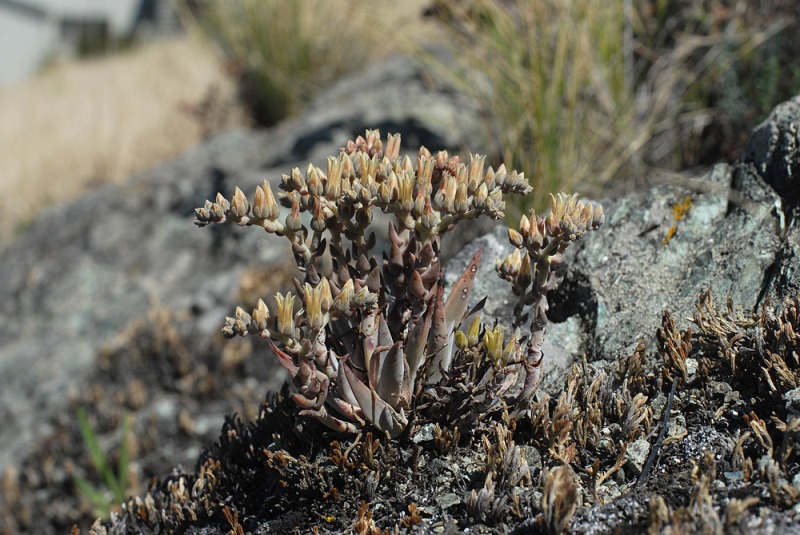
{"x": 589, "y": 96}
{"x": 583, "y": 95}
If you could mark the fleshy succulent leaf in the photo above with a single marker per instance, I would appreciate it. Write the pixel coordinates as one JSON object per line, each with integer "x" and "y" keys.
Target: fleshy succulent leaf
{"x": 377, "y": 411}
{"x": 458, "y": 299}
{"x": 437, "y": 351}
{"x": 415, "y": 346}
{"x": 392, "y": 376}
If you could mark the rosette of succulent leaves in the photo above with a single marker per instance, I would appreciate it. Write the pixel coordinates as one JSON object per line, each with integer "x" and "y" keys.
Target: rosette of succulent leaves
{"x": 375, "y": 342}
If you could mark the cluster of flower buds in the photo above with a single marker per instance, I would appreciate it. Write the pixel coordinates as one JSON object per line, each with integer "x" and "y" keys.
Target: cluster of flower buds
{"x": 536, "y": 266}
{"x": 566, "y": 222}
{"x": 372, "y": 334}
{"x": 427, "y": 196}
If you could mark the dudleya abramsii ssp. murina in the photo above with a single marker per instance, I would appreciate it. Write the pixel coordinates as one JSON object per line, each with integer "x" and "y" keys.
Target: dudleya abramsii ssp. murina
{"x": 374, "y": 340}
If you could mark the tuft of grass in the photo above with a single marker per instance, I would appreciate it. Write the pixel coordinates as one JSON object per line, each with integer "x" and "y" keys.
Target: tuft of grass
{"x": 284, "y": 52}
{"x": 116, "y": 484}
{"x": 708, "y": 69}
{"x": 551, "y": 75}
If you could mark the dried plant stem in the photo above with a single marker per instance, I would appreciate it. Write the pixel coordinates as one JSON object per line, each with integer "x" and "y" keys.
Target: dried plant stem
{"x": 657, "y": 446}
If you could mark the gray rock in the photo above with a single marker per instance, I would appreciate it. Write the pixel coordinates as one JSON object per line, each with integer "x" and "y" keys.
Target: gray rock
{"x": 627, "y": 273}
{"x": 774, "y": 150}
{"x": 636, "y": 454}
{"x": 792, "y": 398}
{"x": 773, "y": 153}
{"x": 448, "y": 500}
{"x": 425, "y": 434}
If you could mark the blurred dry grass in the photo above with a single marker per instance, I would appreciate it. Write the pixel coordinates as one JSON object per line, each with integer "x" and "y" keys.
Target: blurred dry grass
{"x": 583, "y": 95}
{"x": 82, "y": 124}
{"x": 283, "y": 53}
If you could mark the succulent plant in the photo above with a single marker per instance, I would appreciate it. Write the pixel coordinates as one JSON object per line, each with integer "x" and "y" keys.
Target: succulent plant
{"x": 364, "y": 343}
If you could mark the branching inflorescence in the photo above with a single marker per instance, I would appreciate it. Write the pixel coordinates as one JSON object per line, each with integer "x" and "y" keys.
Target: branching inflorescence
{"x": 540, "y": 267}
{"x": 374, "y": 337}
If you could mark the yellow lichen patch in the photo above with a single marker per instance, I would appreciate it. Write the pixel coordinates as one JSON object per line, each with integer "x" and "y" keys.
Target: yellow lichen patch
{"x": 682, "y": 208}
{"x": 679, "y": 210}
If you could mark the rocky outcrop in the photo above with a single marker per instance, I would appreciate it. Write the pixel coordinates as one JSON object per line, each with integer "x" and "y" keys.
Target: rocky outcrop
{"x": 773, "y": 150}
{"x": 725, "y": 231}
{"x": 733, "y": 231}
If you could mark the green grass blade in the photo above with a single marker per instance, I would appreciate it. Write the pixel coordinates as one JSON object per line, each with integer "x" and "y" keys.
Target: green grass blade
{"x": 124, "y": 460}
{"x": 95, "y": 452}
{"x": 98, "y": 500}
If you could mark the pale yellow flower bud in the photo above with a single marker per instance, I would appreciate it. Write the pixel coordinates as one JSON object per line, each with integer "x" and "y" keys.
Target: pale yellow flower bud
{"x": 342, "y": 301}
{"x": 293, "y": 221}
{"x": 462, "y": 199}
{"x": 515, "y": 238}
{"x": 314, "y": 181}
{"x": 474, "y": 331}
{"x": 493, "y": 342}
{"x": 461, "y": 340}
{"x": 222, "y": 202}
{"x": 285, "y": 313}
{"x": 333, "y": 184}
{"x": 481, "y": 195}
{"x": 239, "y": 204}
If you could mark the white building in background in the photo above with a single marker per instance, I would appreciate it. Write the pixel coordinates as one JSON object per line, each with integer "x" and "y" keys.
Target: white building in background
{"x": 33, "y": 31}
